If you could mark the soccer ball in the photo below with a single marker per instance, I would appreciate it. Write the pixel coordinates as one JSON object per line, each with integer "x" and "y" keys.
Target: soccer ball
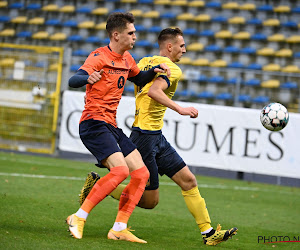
{"x": 274, "y": 116}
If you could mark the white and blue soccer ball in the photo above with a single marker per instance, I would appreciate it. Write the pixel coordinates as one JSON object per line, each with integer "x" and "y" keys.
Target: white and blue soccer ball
{"x": 274, "y": 116}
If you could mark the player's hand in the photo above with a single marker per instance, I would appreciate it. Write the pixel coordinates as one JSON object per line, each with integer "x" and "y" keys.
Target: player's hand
{"x": 95, "y": 77}
{"x": 191, "y": 111}
{"x": 164, "y": 69}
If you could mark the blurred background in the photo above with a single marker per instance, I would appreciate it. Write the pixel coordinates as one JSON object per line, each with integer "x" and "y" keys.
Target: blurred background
{"x": 239, "y": 54}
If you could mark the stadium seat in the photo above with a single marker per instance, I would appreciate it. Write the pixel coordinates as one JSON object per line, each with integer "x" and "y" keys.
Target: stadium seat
{"x": 237, "y": 20}
{"x": 216, "y": 79}
{"x": 213, "y": 5}
{"x": 288, "y": 92}
{"x": 190, "y": 32}
{"x": 185, "y": 17}
{"x": 50, "y": 8}
{"x": 265, "y": 7}
{"x": 201, "y": 62}
{"x": 187, "y": 93}
{"x": 24, "y": 34}
{"x": 296, "y": 9}
{"x": 218, "y": 63}
{"x": 17, "y": 5}
{"x": 67, "y": 9}
{"x": 151, "y": 14}
{"x": 276, "y": 38}
{"x": 86, "y": 25}
{"x": 75, "y": 38}
{"x": 37, "y": 21}
{"x": 254, "y": 66}
{"x": 266, "y": 52}
{"x": 224, "y": 96}
{"x": 207, "y": 33}
{"x": 196, "y": 3}
{"x": 59, "y": 36}
{"x": 7, "y": 32}
{"x": 248, "y": 50}
{"x": 271, "y": 22}
{"x": 271, "y": 83}
{"x": 242, "y": 35}
{"x": 236, "y": 65}
{"x": 129, "y": 88}
{"x": 140, "y": 28}
{"x": 168, "y": 15}
{"x": 223, "y": 34}
{"x": 252, "y": 82}
{"x": 271, "y": 67}
{"x": 93, "y": 39}
{"x": 213, "y": 48}
{"x": 219, "y": 19}
{"x": 261, "y": 99}
{"x": 244, "y": 98}
{"x": 248, "y": 6}
{"x": 84, "y": 9}
{"x": 70, "y": 23}
{"x": 195, "y": 47}
{"x": 284, "y": 53}
{"x": 154, "y": 29}
{"x": 4, "y": 19}
{"x": 290, "y": 69}
{"x": 143, "y": 43}
{"x": 231, "y": 49}
{"x": 206, "y": 95}
{"x": 75, "y": 67}
{"x": 81, "y": 52}
{"x": 40, "y": 35}
{"x": 290, "y": 24}
{"x": 33, "y": 6}
{"x": 185, "y": 60}
{"x": 3, "y": 4}
{"x": 202, "y": 18}
{"x": 100, "y": 11}
{"x": 259, "y": 37}
{"x": 53, "y": 22}
{"x": 282, "y": 9}
{"x": 100, "y": 26}
{"x": 19, "y": 19}
{"x": 231, "y": 6}
{"x": 254, "y": 21}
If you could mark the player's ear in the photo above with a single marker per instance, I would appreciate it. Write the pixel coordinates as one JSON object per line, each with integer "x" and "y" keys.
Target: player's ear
{"x": 115, "y": 35}
{"x": 169, "y": 47}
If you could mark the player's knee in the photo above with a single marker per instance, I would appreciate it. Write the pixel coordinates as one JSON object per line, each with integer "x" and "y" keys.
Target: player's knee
{"x": 121, "y": 171}
{"x": 190, "y": 182}
{"x": 142, "y": 174}
{"x": 149, "y": 204}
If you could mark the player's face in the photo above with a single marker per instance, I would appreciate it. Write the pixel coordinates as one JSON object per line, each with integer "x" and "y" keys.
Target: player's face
{"x": 127, "y": 37}
{"x": 178, "y": 49}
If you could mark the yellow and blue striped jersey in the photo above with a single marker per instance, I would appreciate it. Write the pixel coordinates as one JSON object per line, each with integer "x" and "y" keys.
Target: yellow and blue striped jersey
{"x": 149, "y": 113}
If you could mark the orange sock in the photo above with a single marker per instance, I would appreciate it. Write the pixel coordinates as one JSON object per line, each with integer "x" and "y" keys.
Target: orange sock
{"x": 132, "y": 193}
{"x": 105, "y": 186}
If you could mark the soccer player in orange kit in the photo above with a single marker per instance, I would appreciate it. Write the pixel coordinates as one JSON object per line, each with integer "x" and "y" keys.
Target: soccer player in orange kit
{"x": 104, "y": 73}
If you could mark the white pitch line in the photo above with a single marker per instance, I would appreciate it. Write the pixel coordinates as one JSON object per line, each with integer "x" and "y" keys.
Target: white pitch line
{"x": 239, "y": 188}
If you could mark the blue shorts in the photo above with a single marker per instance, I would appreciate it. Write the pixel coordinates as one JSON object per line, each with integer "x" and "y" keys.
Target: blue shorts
{"x": 103, "y": 139}
{"x": 158, "y": 155}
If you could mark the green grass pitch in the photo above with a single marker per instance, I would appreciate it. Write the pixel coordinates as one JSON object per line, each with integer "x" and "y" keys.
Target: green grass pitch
{"x": 38, "y": 193}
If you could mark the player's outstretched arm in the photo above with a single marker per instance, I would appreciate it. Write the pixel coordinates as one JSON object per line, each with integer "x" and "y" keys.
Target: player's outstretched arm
{"x": 156, "y": 92}
{"x": 143, "y": 77}
{"x": 82, "y": 78}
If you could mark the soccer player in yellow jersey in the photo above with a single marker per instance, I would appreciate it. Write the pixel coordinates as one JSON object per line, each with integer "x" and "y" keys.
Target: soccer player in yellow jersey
{"x": 159, "y": 156}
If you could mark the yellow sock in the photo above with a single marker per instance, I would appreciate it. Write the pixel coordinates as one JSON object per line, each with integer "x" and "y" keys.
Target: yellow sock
{"x": 197, "y": 207}
{"x": 116, "y": 194}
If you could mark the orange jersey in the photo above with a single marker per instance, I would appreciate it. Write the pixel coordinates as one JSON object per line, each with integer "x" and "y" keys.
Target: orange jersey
{"x": 103, "y": 97}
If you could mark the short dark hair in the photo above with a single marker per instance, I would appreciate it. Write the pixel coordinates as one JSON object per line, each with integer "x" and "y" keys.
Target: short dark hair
{"x": 118, "y": 21}
{"x": 168, "y": 33}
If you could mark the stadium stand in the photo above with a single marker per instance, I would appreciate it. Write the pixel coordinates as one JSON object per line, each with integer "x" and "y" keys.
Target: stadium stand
{"x": 248, "y": 39}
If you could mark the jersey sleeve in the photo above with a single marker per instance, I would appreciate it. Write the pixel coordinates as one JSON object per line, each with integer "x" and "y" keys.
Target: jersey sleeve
{"x": 92, "y": 63}
{"x": 134, "y": 69}
{"x": 175, "y": 73}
